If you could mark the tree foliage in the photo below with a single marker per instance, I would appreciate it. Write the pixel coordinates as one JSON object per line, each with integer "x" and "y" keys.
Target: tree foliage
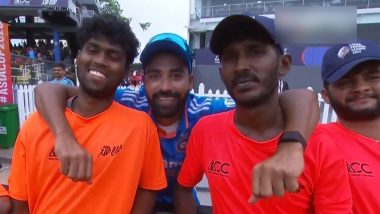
{"x": 113, "y": 7}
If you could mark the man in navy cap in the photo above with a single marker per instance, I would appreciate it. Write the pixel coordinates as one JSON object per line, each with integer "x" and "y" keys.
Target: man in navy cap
{"x": 167, "y": 63}
{"x": 351, "y": 76}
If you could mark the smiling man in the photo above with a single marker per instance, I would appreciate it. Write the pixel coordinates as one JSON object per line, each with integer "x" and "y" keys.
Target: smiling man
{"x": 128, "y": 168}
{"x": 351, "y": 75}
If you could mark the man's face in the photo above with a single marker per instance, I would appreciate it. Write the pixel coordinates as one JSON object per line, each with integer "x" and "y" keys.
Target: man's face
{"x": 356, "y": 96}
{"x": 59, "y": 72}
{"x": 167, "y": 84}
{"x": 250, "y": 71}
{"x": 101, "y": 67}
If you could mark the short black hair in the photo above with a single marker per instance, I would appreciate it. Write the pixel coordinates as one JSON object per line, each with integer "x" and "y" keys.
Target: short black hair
{"x": 60, "y": 64}
{"x": 115, "y": 29}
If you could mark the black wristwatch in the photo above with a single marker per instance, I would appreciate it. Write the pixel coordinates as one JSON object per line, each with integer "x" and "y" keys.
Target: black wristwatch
{"x": 292, "y": 136}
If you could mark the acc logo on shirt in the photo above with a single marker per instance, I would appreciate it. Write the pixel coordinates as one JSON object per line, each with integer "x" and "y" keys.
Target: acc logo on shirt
{"x": 359, "y": 169}
{"x": 219, "y": 168}
{"x": 52, "y": 155}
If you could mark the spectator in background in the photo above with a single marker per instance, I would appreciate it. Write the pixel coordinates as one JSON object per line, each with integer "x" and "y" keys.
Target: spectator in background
{"x": 31, "y": 54}
{"x": 282, "y": 85}
{"x": 59, "y": 70}
{"x": 135, "y": 80}
{"x": 39, "y": 56}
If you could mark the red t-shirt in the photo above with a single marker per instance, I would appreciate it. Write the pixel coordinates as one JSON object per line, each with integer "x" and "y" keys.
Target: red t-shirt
{"x": 362, "y": 156}
{"x": 227, "y": 157}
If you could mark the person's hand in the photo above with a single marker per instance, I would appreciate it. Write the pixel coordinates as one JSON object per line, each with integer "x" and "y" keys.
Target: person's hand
{"x": 76, "y": 162}
{"x": 279, "y": 173}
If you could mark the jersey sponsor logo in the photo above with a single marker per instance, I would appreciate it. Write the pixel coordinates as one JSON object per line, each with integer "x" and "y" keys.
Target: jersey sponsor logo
{"x": 52, "y": 155}
{"x": 108, "y": 150}
{"x": 182, "y": 142}
{"x": 359, "y": 169}
{"x": 343, "y": 52}
{"x": 219, "y": 168}
{"x": 181, "y": 146}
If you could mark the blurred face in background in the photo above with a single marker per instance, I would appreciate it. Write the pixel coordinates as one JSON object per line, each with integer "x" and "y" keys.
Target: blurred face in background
{"x": 59, "y": 72}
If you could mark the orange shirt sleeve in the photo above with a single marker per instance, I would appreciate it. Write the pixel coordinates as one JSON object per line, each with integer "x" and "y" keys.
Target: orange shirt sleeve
{"x": 3, "y": 191}
{"x": 191, "y": 171}
{"x": 153, "y": 174}
{"x": 17, "y": 178}
{"x": 332, "y": 193}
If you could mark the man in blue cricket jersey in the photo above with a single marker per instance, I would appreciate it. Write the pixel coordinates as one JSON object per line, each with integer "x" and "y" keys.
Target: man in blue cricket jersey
{"x": 59, "y": 70}
{"x": 168, "y": 79}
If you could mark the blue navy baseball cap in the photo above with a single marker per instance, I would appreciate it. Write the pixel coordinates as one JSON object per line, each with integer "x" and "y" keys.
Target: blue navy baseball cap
{"x": 167, "y": 42}
{"x": 233, "y": 27}
{"x": 341, "y": 59}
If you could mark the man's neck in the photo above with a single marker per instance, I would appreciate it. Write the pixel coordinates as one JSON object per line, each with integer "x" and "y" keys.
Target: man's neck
{"x": 170, "y": 128}
{"x": 262, "y": 122}
{"x": 368, "y": 128}
{"x": 168, "y": 121}
{"x": 87, "y": 106}
{"x": 59, "y": 78}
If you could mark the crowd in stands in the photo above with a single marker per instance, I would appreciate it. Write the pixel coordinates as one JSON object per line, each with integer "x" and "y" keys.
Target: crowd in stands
{"x": 40, "y": 51}
{"x": 34, "y": 63}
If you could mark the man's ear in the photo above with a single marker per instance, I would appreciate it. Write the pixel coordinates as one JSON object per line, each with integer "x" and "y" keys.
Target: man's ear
{"x": 78, "y": 53}
{"x": 325, "y": 95}
{"x": 285, "y": 65}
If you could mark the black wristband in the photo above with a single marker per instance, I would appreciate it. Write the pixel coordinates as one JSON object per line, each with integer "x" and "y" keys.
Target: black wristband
{"x": 292, "y": 136}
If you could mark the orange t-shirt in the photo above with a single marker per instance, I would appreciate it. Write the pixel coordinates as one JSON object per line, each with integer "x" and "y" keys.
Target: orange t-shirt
{"x": 362, "y": 156}
{"x": 126, "y": 155}
{"x": 3, "y": 191}
{"x": 218, "y": 149}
